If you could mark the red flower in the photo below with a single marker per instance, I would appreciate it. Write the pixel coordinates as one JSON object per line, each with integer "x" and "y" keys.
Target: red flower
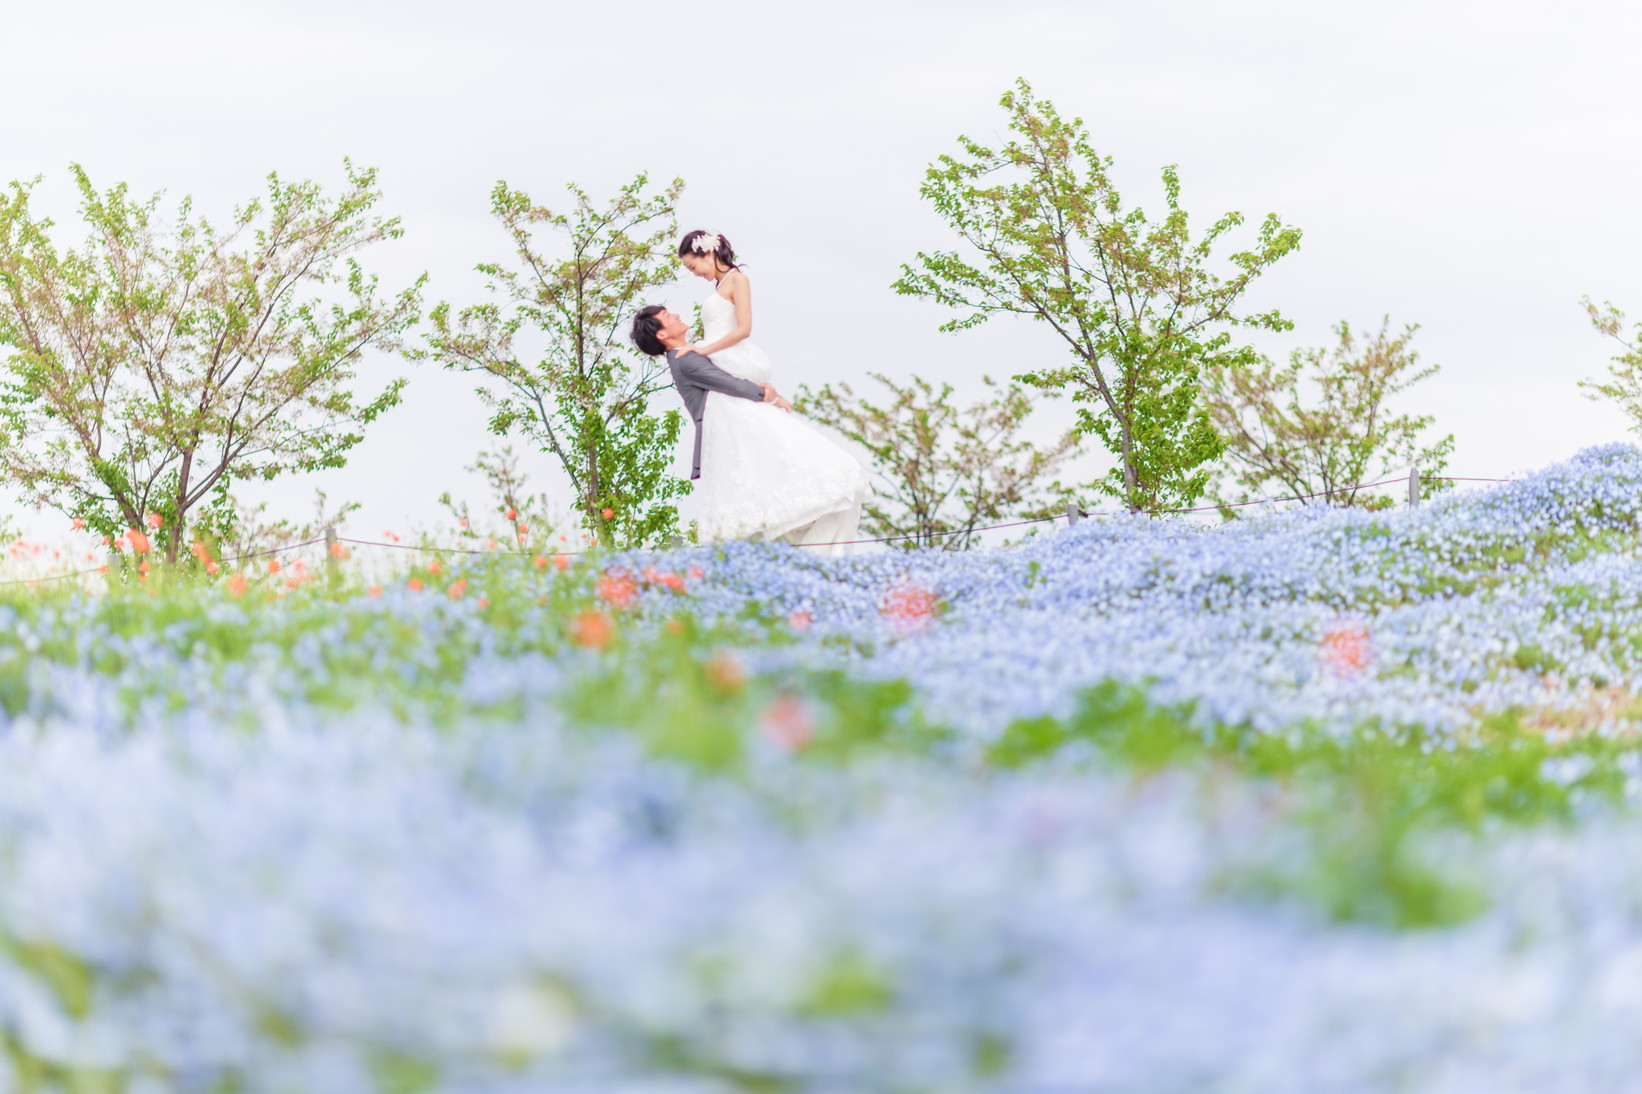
{"x": 237, "y": 584}
{"x": 788, "y": 722}
{"x": 725, "y": 672}
{"x": 607, "y": 513}
{"x": 512, "y": 514}
{"x": 592, "y": 630}
{"x": 154, "y": 520}
{"x": 910, "y": 606}
{"x": 77, "y": 524}
{"x": 1345, "y": 648}
{"x": 800, "y": 621}
{"x": 617, "y": 589}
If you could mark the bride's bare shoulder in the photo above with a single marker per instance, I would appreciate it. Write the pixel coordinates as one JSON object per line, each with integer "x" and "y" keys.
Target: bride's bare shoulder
{"x": 734, "y": 283}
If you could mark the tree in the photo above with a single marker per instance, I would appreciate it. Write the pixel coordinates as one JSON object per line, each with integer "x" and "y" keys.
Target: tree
{"x": 160, "y": 363}
{"x": 944, "y": 472}
{"x": 585, "y": 398}
{"x": 1624, "y": 382}
{"x": 1135, "y": 302}
{"x": 1277, "y": 445}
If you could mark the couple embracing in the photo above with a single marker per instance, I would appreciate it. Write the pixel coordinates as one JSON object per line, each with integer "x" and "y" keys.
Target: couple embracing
{"x": 761, "y": 471}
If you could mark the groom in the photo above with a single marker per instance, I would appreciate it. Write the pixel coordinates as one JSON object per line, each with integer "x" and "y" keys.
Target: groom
{"x": 656, "y": 331}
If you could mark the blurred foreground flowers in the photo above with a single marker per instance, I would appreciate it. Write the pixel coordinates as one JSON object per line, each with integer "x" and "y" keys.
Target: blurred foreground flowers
{"x": 1323, "y": 800}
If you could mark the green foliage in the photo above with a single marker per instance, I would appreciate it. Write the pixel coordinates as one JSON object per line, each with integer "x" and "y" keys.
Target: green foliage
{"x": 71, "y": 980}
{"x": 1135, "y": 302}
{"x": 684, "y": 692}
{"x": 251, "y": 533}
{"x": 401, "y": 1073}
{"x": 847, "y": 985}
{"x": 583, "y": 394}
{"x": 945, "y": 471}
{"x": 159, "y": 363}
{"x": 1122, "y": 720}
{"x": 1370, "y": 801}
{"x": 1279, "y": 445}
{"x": 1624, "y": 382}
{"x": 31, "y": 1074}
{"x": 528, "y": 518}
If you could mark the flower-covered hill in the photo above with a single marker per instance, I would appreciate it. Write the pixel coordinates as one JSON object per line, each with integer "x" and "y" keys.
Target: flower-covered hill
{"x": 1318, "y": 800}
{"x": 1430, "y": 617}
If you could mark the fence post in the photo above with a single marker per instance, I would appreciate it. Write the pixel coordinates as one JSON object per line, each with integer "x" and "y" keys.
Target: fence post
{"x": 1072, "y": 513}
{"x": 331, "y": 574}
{"x": 1413, "y": 486}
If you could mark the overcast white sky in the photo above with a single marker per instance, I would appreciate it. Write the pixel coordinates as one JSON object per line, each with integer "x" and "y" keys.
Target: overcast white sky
{"x": 1469, "y": 166}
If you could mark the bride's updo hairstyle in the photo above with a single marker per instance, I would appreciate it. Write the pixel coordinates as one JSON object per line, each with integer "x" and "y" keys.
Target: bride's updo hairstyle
{"x": 645, "y": 328}
{"x": 699, "y": 242}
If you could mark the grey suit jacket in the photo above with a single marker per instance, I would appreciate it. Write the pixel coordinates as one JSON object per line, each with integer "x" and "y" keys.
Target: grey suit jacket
{"x": 694, "y": 376}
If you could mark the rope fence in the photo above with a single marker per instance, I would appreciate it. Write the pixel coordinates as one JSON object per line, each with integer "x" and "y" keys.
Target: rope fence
{"x": 223, "y": 562}
{"x": 1072, "y": 515}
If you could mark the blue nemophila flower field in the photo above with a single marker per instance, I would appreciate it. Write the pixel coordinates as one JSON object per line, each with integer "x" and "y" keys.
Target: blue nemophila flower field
{"x": 1314, "y": 800}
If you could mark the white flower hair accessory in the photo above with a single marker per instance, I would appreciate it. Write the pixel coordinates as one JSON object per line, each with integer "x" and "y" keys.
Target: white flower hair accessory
{"x": 706, "y": 243}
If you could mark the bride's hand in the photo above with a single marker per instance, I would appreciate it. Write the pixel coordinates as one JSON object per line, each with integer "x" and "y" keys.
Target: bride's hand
{"x": 782, "y": 403}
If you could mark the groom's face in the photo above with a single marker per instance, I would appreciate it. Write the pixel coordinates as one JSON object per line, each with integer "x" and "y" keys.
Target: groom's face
{"x": 672, "y": 327}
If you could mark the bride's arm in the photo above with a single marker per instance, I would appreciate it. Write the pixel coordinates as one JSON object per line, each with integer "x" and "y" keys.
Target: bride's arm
{"x": 741, "y": 295}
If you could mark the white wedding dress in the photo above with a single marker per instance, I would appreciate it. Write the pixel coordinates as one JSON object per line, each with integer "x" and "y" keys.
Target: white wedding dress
{"x": 767, "y": 473}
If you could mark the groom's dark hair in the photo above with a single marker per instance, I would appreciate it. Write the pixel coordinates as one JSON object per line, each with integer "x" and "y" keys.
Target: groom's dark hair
{"x": 645, "y": 328}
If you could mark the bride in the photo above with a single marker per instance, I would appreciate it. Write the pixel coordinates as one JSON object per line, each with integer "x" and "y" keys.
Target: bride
{"x": 765, "y": 473}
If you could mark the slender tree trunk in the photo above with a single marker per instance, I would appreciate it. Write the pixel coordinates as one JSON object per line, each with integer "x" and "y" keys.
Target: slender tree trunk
{"x": 174, "y": 540}
{"x": 1131, "y": 477}
{"x": 592, "y": 502}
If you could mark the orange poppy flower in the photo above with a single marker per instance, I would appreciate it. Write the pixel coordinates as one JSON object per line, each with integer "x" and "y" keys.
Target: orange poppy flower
{"x": 592, "y": 630}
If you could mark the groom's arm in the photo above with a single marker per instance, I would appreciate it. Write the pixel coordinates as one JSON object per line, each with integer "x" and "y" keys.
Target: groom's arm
{"x": 703, "y": 373}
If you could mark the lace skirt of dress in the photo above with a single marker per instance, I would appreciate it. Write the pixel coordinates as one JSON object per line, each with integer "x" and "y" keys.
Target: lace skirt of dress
{"x": 766, "y": 472}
